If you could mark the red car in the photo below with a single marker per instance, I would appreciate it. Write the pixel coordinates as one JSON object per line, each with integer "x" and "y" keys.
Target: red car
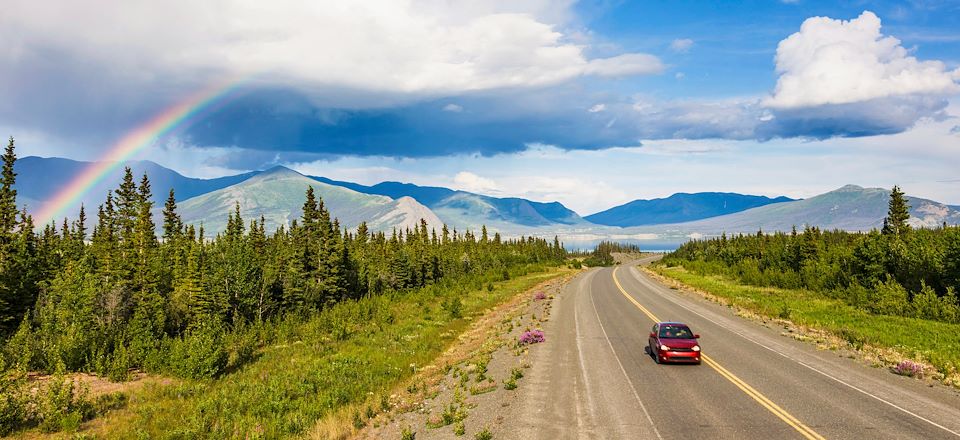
{"x": 674, "y": 342}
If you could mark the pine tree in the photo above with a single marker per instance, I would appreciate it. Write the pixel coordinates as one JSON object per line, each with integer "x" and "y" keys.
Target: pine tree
{"x": 9, "y": 307}
{"x": 8, "y": 196}
{"x": 126, "y": 203}
{"x": 898, "y": 213}
{"x": 172, "y": 224}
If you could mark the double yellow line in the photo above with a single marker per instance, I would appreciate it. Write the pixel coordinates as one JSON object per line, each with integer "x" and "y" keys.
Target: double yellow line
{"x": 804, "y": 430}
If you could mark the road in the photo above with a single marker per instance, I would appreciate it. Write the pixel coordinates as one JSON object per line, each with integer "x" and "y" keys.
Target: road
{"x": 593, "y": 378}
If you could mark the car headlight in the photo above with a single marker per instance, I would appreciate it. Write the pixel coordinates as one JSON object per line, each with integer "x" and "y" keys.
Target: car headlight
{"x": 664, "y": 348}
{"x": 696, "y": 348}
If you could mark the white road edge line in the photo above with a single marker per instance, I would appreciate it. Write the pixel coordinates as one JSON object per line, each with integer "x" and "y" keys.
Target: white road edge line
{"x": 623, "y": 370}
{"x": 583, "y": 370}
{"x": 643, "y": 280}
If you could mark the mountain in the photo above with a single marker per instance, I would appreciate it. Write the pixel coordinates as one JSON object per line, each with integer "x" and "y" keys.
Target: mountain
{"x": 278, "y": 195}
{"x": 462, "y": 209}
{"x": 850, "y": 208}
{"x": 678, "y": 208}
{"x": 40, "y": 178}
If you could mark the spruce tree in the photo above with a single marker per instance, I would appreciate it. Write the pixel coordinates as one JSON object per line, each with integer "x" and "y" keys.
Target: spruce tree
{"x": 172, "y": 224}
{"x": 898, "y": 213}
{"x": 8, "y": 195}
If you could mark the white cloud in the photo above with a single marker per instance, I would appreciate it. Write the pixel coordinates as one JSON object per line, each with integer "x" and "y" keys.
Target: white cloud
{"x": 468, "y": 181}
{"x": 681, "y": 45}
{"x": 830, "y": 62}
{"x": 624, "y": 65}
{"x": 452, "y": 108}
{"x": 597, "y": 108}
{"x": 426, "y": 47}
{"x": 679, "y": 75}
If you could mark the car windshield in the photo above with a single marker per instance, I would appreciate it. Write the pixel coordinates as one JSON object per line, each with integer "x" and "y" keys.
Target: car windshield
{"x": 675, "y": 332}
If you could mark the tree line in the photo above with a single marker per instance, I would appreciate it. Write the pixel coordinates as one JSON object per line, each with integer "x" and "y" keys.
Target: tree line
{"x": 897, "y": 270}
{"x": 123, "y": 296}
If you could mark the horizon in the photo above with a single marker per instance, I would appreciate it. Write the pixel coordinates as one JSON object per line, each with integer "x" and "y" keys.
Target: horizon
{"x": 771, "y": 197}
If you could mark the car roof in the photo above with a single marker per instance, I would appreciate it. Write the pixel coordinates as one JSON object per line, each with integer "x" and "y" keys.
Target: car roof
{"x": 672, "y": 323}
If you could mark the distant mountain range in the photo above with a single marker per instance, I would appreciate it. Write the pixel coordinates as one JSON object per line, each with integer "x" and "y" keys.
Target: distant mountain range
{"x": 39, "y": 179}
{"x": 465, "y": 209}
{"x": 850, "y": 208}
{"x": 278, "y": 194}
{"x": 678, "y": 208}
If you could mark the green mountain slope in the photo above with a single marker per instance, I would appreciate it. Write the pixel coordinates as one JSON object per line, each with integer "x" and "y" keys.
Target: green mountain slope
{"x": 278, "y": 194}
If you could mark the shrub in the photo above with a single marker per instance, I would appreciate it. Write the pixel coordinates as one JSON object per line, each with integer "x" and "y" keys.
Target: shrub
{"x": 13, "y": 399}
{"x": 453, "y": 306}
{"x": 485, "y": 434}
{"x": 531, "y": 337}
{"x": 200, "y": 354}
{"x": 61, "y": 405}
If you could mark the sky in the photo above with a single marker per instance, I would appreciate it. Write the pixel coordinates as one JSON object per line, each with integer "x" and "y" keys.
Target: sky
{"x": 592, "y": 103}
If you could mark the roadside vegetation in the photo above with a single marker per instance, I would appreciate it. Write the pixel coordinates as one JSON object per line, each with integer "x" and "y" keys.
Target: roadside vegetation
{"x": 120, "y": 300}
{"x": 894, "y": 288}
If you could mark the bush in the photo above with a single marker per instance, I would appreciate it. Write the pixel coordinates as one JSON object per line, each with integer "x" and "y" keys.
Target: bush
{"x": 453, "y": 306}
{"x": 485, "y": 434}
{"x": 200, "y": 354}
{"x": 13, "y": 399}
{"x": 888, "y": 298}
{"x": 61, "y": 405}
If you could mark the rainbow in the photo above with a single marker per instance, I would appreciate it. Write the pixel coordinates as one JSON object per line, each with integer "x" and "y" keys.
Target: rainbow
{"x": 180, "y": 115}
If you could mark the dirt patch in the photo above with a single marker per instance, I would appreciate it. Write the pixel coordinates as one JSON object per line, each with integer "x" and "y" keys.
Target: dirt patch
{"x": 97, "y": 385}
{"x": 472, "y": 386}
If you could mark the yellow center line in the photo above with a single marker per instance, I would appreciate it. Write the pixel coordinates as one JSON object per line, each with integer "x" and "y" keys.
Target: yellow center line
{"x": 804, "y": 430}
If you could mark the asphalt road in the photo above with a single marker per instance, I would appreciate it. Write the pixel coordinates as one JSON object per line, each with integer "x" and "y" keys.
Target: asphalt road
{"x": 595, "y": 380}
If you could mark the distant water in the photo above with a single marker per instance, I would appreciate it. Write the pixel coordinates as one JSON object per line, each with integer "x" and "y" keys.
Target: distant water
{"x": 645, "y": 245}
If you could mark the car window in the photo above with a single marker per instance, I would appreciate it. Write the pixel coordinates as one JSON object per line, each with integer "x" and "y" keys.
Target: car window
{"x": 675, "y": 332}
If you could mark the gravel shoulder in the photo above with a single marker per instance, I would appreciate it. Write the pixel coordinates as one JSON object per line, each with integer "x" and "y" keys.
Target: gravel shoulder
{"x": 476, "y": 385}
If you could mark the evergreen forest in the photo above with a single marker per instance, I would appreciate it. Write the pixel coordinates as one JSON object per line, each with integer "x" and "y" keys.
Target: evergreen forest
{"x": 897, "y": 271}
{"x": 132, "y": 295}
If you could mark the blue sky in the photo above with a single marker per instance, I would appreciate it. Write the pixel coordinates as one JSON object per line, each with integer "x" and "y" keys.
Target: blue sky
{"x": 591, "y": 103}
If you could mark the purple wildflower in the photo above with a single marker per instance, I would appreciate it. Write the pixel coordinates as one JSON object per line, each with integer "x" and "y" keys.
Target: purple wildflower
{"x": 531, "y": 337}
{"x": 909, "y": 368}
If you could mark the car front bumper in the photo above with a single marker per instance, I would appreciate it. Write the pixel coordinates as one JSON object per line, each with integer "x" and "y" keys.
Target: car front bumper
{"x": 680, "y": 356}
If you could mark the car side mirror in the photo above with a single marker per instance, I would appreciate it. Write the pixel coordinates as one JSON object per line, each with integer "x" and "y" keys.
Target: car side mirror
{"x": 696, "y": 336}
{"x": 652, "y": 335}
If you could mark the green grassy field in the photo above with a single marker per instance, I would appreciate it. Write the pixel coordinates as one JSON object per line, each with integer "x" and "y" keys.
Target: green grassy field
{"x": 936, "y": 343}
{"x": 352, "y": 355}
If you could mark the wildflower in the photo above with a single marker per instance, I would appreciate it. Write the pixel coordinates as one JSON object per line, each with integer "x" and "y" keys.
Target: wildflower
{"x": 531, "y": 337}
{"x": 909, "y": 368}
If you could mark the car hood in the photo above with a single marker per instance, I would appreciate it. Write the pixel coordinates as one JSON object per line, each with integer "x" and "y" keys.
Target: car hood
{"x": 678, "y": 343}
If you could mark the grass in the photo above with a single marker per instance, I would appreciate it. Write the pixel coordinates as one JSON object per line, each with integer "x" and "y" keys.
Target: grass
{"x": 935, "y": 343}
{"x": 339, "y": 366}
